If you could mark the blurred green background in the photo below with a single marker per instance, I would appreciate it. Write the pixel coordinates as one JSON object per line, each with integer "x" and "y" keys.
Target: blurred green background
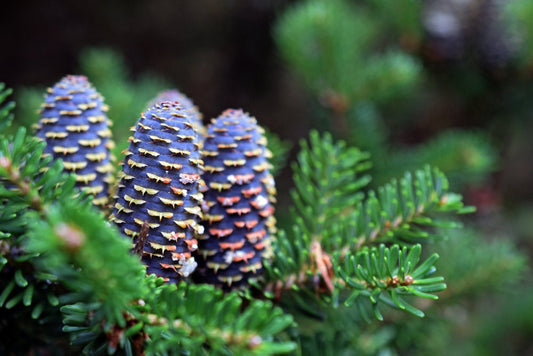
{"x": 444, "y": 82}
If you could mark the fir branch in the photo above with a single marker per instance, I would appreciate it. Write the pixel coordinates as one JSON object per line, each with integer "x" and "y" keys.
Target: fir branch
{"x": 328, "y": 44}
{"x": 493, "y": 263}
{"x": 20, "y": 161}
{"x": 384, "y": 275}
{"x": 205, "y": 320}
{"x": 26, "y": 294}
{"x": 48, "y": 229}
{"x": 323, "y": 42}
{"x": 330, "y": 214}
{"x": 406, "y": 23}
{"x": 72, "y": 244}
{"x": 172, "y": 319}
{"x": 62, "y": 233}
{"x": 328, "y": 184}
{"x": 327, "y": 229}
{"x": 89, "y": 257}
{"x": 398, "y": 211}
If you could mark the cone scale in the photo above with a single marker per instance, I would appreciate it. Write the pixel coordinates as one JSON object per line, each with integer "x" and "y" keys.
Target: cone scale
{"x": 74, "y": 126}
{"x": 238, "y": 210}
{"x": 159, "y": 189}
{"x": 186, "y": 103}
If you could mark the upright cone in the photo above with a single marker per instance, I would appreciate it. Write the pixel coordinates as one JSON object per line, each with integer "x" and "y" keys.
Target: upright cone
{"x": 159, "y": 193}
{"x": 74, "y": 126}
{"x": 238, "y": 210}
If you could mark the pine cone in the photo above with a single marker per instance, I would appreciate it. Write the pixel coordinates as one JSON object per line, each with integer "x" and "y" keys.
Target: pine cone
{"x": 185, "y": 102}
{"x": 74, "y": 126}
{"x": 238, "y": 210}
{"x": 159, "y": 189}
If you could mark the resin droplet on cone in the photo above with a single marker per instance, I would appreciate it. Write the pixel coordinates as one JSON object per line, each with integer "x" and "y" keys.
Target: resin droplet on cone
{"x": 159, "y": 188}
{"x": 74, "y": 126}
{"x": 238, "y": 211}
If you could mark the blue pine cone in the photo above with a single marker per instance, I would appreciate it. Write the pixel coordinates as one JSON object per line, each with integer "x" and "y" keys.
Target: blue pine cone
{"x": 185, "y": 102}
{"x": 74, "y": 126}
{"x": 159, "y": 189}
{"x": 237, "y": 208}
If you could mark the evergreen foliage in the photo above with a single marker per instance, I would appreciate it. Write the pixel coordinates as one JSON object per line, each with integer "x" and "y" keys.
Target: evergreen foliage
{"x": 495, "y": 270}
{"x": 332, "y": 257}
{"x": 348, "y": 253}
{"x": 328, "y": 180}
{"x": 406, "y": 22}
{"x": 207, "y": 321}
{"x": 83, "y": 265}
{"x": 384, "y": 275}
{"x": 331, "y": 46}
{"x": 25, "y": 190}
{"x": 320, "y": 44}
{"x": 174, "y": 318}
{"x": 517, "y": 16}
{"x": 372, "y": 236}
{"x": 494, "y": 263}
{"x": 466, "y": 157}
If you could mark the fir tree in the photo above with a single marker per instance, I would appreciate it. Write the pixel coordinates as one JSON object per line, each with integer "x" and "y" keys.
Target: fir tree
{"x": 371, "y": 256}
{"x": 335, "y": 254}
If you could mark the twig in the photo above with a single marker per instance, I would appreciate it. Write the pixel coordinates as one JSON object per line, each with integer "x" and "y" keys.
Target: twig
{"x": 141, "y": 240}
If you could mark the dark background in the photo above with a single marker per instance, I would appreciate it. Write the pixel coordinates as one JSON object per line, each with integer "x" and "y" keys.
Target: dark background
{"x": 220, "y": 53}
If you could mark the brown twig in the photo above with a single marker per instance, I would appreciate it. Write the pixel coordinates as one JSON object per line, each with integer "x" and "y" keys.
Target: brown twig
{"x": 141, "y": 240}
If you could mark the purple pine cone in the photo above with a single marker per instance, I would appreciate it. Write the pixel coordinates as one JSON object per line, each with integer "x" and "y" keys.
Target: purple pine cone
{"x": 238, "y": 210}
{"x": 74, "y": 126}
{"x": 159, "y": 189}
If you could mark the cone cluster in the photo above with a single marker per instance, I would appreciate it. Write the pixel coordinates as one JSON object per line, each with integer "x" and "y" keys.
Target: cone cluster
{"x": 237, "y": 209}
{"x": 159, "y": 189}
{"x": 74, "y": 126}
{"x": 160, "y": 201}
